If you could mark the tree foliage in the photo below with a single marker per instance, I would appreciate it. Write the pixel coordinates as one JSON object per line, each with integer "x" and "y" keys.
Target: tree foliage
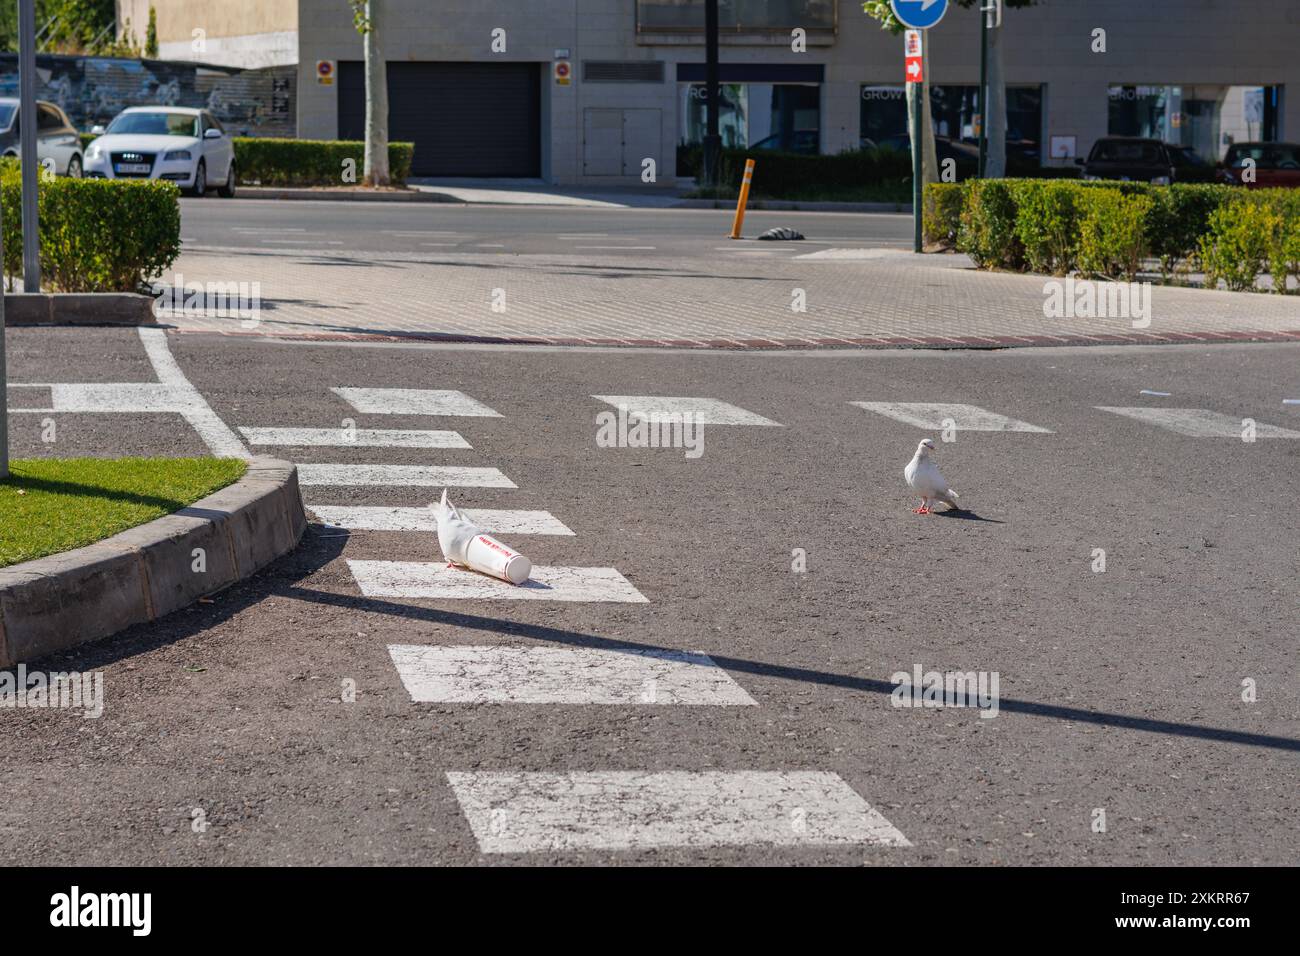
{"x": 881, "y": 11}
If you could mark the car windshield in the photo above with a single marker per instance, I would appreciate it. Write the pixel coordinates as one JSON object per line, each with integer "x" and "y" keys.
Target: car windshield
{"x": 7, "y": 111}
{"x": 1115, "y": 151}
{"x": 156, "y": 124}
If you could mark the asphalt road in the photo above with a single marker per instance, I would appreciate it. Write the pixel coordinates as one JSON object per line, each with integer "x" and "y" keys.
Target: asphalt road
{"x": 1119, "y": 691}
{"x": 444, "y": 227}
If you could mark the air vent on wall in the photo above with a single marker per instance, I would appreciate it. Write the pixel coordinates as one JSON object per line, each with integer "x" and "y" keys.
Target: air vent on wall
{"x": 622, "y": 71}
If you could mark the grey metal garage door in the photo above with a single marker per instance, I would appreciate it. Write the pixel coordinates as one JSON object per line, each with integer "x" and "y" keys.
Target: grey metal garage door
{"x": 466, "y": 119}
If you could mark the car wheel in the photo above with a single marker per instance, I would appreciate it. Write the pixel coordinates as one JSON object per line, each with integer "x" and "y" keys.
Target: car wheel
{"x": 74, "y": 167}
{"x": 200, "y": 187}
{"x": 228, "y": 190}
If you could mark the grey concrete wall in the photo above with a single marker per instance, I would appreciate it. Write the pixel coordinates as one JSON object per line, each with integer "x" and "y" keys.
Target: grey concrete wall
{"x": 1155, "y": 42}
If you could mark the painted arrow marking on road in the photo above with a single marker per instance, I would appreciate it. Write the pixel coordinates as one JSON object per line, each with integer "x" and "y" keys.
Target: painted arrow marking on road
{"x": 636, "y": 810}
{"x": 558, "y": 675}
{"x": 425, "y": 579}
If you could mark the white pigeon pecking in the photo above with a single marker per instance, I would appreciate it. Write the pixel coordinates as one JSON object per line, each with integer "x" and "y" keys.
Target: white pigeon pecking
{"x": 466, "y": 546}
{"x": 923, "y": 477}
{"x": 454, "y": 532}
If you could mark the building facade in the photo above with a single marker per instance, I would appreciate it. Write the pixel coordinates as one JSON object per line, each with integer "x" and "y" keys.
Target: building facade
{"x": 585, "y": 91}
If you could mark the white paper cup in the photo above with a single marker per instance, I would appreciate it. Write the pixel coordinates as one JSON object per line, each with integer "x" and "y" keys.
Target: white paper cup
{"x": 488, "y": 555}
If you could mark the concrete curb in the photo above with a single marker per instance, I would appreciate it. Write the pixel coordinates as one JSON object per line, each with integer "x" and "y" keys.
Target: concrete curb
{"x": 78, "y": 308}
{"x": 792, "y": 205}
{"x": 331, "y": 194}
{"x": 145, "y": 573}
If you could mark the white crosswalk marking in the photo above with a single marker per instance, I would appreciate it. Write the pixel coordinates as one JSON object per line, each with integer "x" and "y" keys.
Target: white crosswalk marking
{"x": 558, "y": 675}
{"x": 703, "y": 411}
{"x": 932, "y": 415}
{"x": 633, "y": 810}
{"x": 1199, "y": 422}
{"x": 354, "y": 437}
{"x": 436, "y": 476}
{"x": 422, "y": 579}
{"x": 493, "y": 521}
{"x": 414, "y": 401}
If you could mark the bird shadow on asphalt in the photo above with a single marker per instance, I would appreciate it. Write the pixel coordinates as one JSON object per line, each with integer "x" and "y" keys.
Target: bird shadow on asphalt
{"x": 964, "y": 514}
{"x": 323, "y": 544}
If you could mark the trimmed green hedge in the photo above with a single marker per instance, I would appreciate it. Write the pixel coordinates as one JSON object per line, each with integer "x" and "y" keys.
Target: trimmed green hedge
{"x": 311, "y": 162}
{"x": 779, "y": 175}
{"x": 97, "y": 235}
{"x": 304, "y": 162}
{"x": 1110, "y": 229}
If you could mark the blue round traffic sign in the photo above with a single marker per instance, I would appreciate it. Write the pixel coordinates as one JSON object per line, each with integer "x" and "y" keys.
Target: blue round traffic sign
{"x": 919, "y": 14}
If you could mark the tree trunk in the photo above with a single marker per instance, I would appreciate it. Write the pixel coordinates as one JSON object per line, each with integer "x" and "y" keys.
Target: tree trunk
{"x": 376, "y": 161}
{"x": 997, "y": 110}
{"x": 929, "y": 159}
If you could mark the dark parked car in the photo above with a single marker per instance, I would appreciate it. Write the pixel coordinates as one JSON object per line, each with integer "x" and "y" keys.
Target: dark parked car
{"x": 1276, "y": 164}
{"x": 966, "y": 156}
{"x": 1130, "y": 158}
{"x": 803, "y": 141}
{"x": 1190, "y": 167}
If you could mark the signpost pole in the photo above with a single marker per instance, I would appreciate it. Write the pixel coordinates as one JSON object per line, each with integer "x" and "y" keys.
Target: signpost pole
{"x": 914, "y": 92}
{"x": 27, "y": 147}
{"x": 712, "y": 95}
{"x": 984, "y": 89}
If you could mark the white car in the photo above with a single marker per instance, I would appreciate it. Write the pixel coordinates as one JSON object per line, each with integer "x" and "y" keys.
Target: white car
{"x": 185, "y": 146}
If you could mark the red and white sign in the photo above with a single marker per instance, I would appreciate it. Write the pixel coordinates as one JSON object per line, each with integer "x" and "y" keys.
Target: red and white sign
{"x": 563, "y": 72}
{"x": 325, "y": 72}
{"x": 913, "y": 71}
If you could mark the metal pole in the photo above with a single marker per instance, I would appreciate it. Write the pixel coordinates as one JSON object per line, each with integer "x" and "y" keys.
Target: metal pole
{"x": 914, "y": 91}
{"x": 712, "y": 97}
{"x": 27, "y": 148}
{"x": 984, "y": 90}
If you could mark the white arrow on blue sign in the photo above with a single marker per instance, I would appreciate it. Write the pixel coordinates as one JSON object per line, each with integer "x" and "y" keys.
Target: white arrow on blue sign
{"x": 919, "y": 14}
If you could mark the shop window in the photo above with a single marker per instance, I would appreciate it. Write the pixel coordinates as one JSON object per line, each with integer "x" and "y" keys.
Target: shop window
{"x": 781, "y": 116}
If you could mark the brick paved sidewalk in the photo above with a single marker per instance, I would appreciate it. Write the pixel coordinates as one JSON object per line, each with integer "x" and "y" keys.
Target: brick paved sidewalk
{"x": 741, "y": 299}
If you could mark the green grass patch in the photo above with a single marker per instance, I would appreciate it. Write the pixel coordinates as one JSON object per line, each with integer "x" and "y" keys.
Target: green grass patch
{"x": 51, "y": 505}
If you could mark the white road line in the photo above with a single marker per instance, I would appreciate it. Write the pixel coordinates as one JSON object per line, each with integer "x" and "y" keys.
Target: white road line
{"x": 414, "y": 401}
{"x": 251, "y": 230}
{"x": 704, "y": 411}
{"x": 612, "y": 248}
{"x": 490, "y": 245}
{"x": 356, "y": 437}
{"x": 842, "y": 254}
{"x": 634, "y": 810}
{"x": 428, "y": 476}
{"x": 440, "y": 243}
{"x": 216, "y": 434}
{"x": 427, "y": 232}
{"x": 379, "y": 518}
{"x": 1198, "y": 422}
{"x": 558, "y": 675}
{"x": 932, "y": 415}
{"x": 582, "y": 235}
{"x": 299, "y": 242}
{"x": 425, "y": 579}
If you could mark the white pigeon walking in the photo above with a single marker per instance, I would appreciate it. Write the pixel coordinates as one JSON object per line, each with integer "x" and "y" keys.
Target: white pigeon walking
{"x": 923, "y": 477}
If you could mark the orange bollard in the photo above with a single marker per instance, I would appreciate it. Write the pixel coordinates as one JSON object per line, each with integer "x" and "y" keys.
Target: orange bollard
{"x": 743, "y": 200}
